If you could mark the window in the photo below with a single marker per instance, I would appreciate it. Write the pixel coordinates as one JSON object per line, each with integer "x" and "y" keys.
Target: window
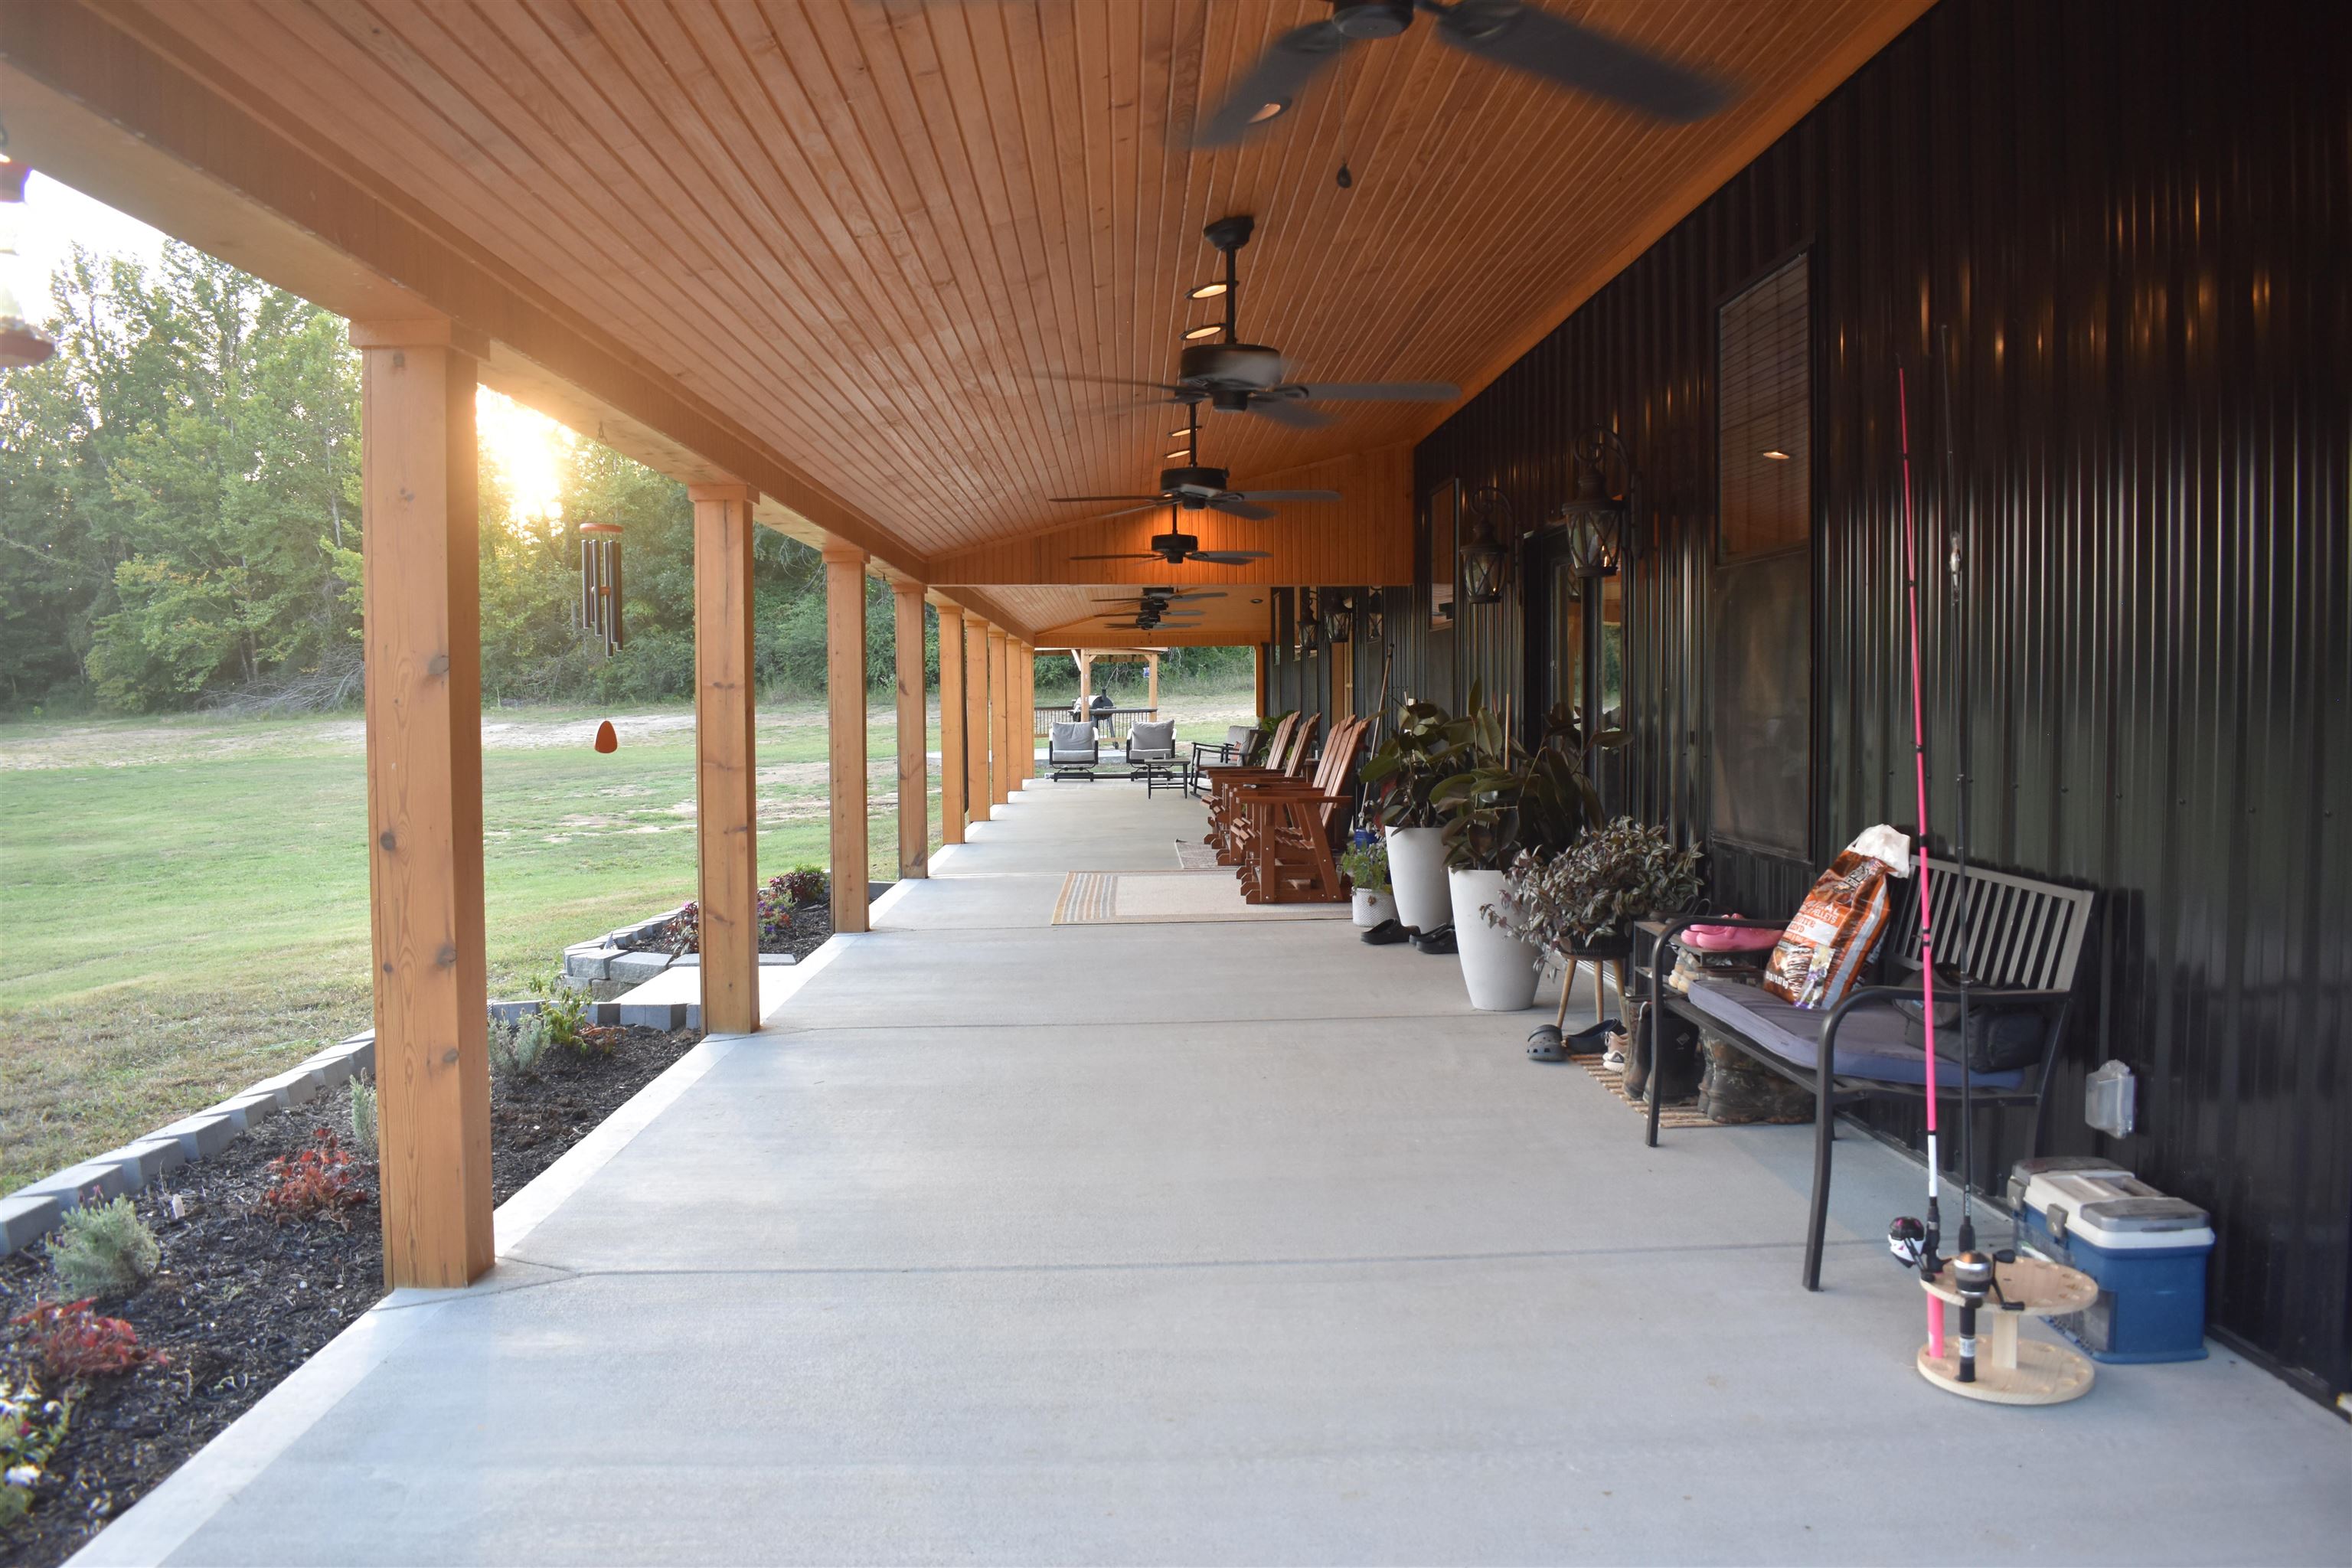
{"x": 1441, "y": 517}
{"x": 1759, "y": 601}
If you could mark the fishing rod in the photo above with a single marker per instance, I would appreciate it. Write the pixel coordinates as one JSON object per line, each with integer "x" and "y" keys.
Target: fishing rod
{"x": 1914, "y": 1243}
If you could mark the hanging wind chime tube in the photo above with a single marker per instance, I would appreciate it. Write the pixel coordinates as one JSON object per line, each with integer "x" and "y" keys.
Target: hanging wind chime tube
{"x": 600, "y": 585}
{"x": 22, "y": 342}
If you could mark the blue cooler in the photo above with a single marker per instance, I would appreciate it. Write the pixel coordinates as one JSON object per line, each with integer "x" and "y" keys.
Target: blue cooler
{"x": 2147, "y": 1253}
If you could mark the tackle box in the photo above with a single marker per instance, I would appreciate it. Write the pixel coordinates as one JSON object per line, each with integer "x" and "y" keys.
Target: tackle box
{"x": 2147, "y": 1252}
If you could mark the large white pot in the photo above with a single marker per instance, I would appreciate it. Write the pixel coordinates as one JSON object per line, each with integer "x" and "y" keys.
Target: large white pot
{"x": 1498, "y": 968}
{"x": 1417, "y": 876}
{"x": 1372, "y": 908}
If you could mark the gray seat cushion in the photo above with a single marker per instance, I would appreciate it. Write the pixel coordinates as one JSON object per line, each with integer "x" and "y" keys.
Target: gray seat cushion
{"x": 1870, "y": 1043}
{"x": 1073, "y": 743}
{"x": 1151, "y": 738}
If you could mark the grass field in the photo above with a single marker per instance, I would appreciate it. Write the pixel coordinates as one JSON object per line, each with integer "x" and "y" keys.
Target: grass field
{"x": 184, "y": 902}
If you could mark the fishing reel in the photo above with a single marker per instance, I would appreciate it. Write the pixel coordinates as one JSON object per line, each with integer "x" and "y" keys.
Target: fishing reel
{"x": 1907, "y": 1238}
{"x": 1972, "y": 1278}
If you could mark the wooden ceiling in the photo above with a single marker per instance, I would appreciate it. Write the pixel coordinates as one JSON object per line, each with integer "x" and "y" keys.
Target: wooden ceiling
{"x": 875, "y": 233}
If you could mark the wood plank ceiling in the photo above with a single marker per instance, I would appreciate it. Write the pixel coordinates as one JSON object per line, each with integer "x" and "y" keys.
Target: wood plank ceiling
{"x": 876, "y": 233}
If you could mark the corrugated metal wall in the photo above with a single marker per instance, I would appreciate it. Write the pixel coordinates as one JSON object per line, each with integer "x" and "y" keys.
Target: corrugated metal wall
{"x": 2133, "y": 217}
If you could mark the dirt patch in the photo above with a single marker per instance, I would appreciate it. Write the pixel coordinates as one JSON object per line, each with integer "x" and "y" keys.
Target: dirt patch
{"x": 241, "y": 1300}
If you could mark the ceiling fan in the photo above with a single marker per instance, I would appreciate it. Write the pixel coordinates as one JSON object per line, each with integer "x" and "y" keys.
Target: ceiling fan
{"x": 1507, "y": 33}
{"x": 1198, "y": 488}
{"x": 1164, "y": 596}
{"x": 1176, "y": 549}
{"x": 1235, "y": 377}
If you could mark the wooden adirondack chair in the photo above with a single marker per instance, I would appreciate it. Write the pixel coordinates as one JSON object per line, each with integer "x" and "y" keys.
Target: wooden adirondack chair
{"x": 1276, "y": 749}
{"x": 1225, "y": 781}
{"x": 1289, "y": 837}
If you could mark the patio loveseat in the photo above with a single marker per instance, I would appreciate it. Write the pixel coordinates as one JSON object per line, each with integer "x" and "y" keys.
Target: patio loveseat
{"x": 2024, "y": 947}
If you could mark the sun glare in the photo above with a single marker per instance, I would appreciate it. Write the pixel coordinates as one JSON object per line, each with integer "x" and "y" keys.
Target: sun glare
{"x": 528, "y": 449}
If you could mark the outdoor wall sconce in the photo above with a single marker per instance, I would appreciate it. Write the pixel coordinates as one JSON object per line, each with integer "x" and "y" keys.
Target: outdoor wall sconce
{"x": 1339, "y": 621}
{"x": 1376, "y": 615}
{"x": 1596, "y": 522}
{"x": 1487, "y": 557}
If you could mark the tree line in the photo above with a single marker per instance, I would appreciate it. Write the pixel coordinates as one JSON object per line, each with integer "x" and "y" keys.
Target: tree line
{"x": 180, "y": 524}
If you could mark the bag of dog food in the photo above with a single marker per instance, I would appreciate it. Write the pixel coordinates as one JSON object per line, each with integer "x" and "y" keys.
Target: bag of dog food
{"x": 1838, "y": 929}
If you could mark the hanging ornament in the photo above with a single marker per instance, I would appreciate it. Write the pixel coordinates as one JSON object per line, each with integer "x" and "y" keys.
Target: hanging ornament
{"x": 607, "y": 740}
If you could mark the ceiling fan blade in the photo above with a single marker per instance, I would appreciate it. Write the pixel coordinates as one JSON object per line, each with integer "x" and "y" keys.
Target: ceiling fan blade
{"x": 1292, "y": 62}
{"x": 1380, "y": 391}
{"x": 1292, "y": 495}
{"x": 1104, "y": 380}
{"x": 1234, "y": 506}
{"x": 1544, "y": 44}
{"x": 1289, "y": 412}
{"x": 1106, "y": 498}
{"x": 1230, "y": 557}
{"x": 1146, "y": 555}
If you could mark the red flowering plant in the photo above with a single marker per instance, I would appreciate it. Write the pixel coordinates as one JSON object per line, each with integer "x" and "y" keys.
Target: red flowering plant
{"x": 72, "y": 1343}
{"x": 319, "y": 1183}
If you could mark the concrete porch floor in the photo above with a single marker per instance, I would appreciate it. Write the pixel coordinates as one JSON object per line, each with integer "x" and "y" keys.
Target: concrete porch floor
{"x": 1242, "y": 1242}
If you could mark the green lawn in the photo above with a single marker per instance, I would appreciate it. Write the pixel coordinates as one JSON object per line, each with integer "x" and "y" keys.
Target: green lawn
{"x": 184, "y": 900}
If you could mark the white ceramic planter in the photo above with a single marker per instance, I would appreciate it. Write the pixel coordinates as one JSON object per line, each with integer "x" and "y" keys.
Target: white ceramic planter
{"x": 1417, "y": 876}
{"x": 1372, "y": 908}
{"x": 1498, "y": 968}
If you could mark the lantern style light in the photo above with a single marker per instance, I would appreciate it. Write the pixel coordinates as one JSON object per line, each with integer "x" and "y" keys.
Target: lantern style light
{"x": 1305, "y": 625}
{"x": 1376, "y": 616}
{"x": 1596, "y": 522}
{"x": 1338, "y": 620}
{"x": 22, "y": 343}
{"x": 1486, "y": 555}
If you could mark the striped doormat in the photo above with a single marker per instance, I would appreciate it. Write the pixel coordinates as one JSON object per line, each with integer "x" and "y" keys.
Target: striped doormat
{"x": 1685, "y": 1114}
{"x": 1170, "y": 898}
{"x": 1195, "y": 857}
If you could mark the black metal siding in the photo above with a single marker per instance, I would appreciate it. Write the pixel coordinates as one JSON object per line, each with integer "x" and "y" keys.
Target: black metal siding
{"x": 2133, "y": 215}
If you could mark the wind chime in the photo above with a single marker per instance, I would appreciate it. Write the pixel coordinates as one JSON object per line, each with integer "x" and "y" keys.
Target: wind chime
{"x": 22, "y": 342}
{"x": 600, "y": 602}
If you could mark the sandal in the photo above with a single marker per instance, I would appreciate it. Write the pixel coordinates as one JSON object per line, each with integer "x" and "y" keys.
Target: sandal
{"x": 1545, "y": 1045}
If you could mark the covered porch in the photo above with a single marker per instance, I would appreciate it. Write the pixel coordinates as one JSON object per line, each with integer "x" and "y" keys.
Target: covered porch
{"x": 1011, "y": 1241}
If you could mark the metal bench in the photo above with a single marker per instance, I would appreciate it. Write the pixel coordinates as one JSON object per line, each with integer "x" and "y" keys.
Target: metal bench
{"x": 2024, "y": 946}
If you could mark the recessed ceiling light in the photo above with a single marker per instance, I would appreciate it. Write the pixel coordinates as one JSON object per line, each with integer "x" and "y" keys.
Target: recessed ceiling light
{"x": 1206, "y": 291}
{"x": 1269, "y": 110}
{"x": 1777, "y": 454}
{"x": 1197, "y": 333}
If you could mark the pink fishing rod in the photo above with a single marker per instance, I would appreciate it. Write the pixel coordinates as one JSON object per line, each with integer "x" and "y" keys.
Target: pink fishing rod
{"x": 1928, "y": 1260}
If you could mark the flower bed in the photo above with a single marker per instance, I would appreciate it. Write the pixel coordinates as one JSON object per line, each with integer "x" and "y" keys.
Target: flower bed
{"x": 250, "y": 1287}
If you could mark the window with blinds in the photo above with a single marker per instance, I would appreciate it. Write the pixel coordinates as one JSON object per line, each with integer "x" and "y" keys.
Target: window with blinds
{"x": 1764, "y": 417}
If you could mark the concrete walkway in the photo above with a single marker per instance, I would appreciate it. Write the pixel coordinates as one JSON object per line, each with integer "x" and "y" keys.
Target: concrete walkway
{"x": 1243, "y": 1242}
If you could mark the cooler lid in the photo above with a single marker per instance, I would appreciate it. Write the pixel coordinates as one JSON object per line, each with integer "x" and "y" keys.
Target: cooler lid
{"x": 2142, "y": 1223}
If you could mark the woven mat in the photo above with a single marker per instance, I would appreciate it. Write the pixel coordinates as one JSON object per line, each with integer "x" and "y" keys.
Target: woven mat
{"x": 1170, "y": 898}
{"x": 1685, "y": 1114}
{"x": 1195, "y": 857}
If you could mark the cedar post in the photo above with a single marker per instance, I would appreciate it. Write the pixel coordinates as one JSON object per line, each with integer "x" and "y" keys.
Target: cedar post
{"x": 1151, "y": 688}
{"x": 844, "y": 701}
{"x": 1028, "y": 714}
{"x": 726, "y": 793}
{"x": 1257, "y": 671}
{"x": 1000, "y": 699}
{"x": 422, "y": 651}
{"x": 914, "y": 734}
{"x": 975, "y": 711}
{"x": 952, "y": 725}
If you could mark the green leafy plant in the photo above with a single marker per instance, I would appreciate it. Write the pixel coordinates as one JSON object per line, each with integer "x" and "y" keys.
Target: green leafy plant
{"x": 1367, "y": 866}
{"x": 1596, "y": 889}
{"x": 807, "y": 884}
{"x": 363, "y": 1116}
{"x": 562, "y": 1013}
{"x": 32, "y": 1427}
{"x": 1421, "y": 753}
{"x": 72, "y": 1343}
{"x": 104, "y": 1249}
{"x": 518, "y": 1046}
{"x": 1508, "y": 797}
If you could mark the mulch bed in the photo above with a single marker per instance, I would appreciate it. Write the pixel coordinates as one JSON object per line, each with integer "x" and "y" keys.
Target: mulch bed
{"x": 241, "y": 1300}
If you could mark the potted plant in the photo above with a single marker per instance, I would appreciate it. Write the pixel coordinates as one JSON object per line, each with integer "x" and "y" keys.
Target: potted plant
{"x": 1366, "y": 865}
{"x": 1586, "y": 897}
{"x": 1511, "y": 799}
{"x": 1418, "y": 754}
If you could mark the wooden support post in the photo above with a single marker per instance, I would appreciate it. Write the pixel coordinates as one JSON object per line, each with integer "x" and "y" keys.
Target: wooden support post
{"x": 952, "y": 725}
{"x": 420, "y": 521}
{"x": 1000, "y": 783}
{"x": 726, "y": 793}
{"x": 1018, "y": 748}
{"x": 1086, "y": 680}
{"x": 844, "y": 701}
{"x": 975, "y": 713}
{"x": 914, "y": 735}
{"x": 1151, "y": 685}
{"x": 1028, "y": 722}
{"x": 1257, "y": 670}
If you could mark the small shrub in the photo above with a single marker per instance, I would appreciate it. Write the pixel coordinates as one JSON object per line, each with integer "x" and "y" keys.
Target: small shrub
{"x": 563, "y": 1014}
{"x": 682, "y": 933}
{"x": 516, "y": 1047}
{"x": 104, "y": 1249}
{"x": 363, "y": 1118}
{"x": 32, "y": 1426}
{"x": 316, "y": 1184}
{"x": 72, "y": 1344}
{"x": 807, "y": 885}
{"x": 1367, "y": 866}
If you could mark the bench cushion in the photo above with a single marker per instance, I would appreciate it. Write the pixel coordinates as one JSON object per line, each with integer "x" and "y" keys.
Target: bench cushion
{"x": 1870, "y": 1043}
